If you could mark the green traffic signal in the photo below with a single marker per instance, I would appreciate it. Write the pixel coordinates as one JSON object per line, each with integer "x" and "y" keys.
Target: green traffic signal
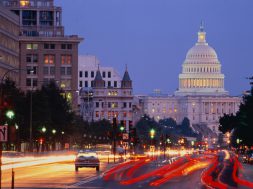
{"x": 152, "y": 133}
{"x": 10, "y": 114}
{"x": 121, "y": 128}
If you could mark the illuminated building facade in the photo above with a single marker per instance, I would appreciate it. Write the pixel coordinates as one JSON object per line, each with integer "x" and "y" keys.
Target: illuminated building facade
{"x": 201, "y": 96}
{"x": 106, "y": 102}
{"x": 44, "y": 48}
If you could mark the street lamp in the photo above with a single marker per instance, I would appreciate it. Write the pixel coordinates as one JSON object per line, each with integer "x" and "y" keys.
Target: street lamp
{"x": 10, "y": 114}
{"x": 31, "y": 116}
{"x": 53, "y": 131}
{"x": 44, "y": 129}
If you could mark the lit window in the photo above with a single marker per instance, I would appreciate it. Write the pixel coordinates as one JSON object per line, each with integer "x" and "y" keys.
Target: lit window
{"x": 24, "y": 3}
{"x": 31, "y": 46}
{"x": 66, "y": 59}
{"x": 49, "y": 59}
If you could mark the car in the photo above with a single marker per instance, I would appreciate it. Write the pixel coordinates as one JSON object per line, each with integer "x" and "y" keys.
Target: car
{"x": 87, "y": 159}
{"x": 248, "y": 157}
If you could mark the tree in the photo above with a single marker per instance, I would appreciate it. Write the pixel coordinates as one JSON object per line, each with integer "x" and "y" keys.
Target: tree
{"x": 240, "y": 124}
{"x": 143, "y": 128}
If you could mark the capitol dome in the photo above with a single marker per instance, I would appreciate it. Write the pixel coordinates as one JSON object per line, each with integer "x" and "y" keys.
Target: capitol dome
{"x": 201, "y": 70}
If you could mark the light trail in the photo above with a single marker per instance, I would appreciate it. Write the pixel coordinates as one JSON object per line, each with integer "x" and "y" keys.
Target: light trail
{"x": 207, "y": 179}
{"x": 32, "y": 161}
{"x": 238, "y": 165}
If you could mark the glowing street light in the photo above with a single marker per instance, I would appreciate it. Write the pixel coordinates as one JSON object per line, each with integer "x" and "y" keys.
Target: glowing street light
{"x": 10, "y": 114}
{"x": 53, "y": 131}
{"x": 44, "y": 129}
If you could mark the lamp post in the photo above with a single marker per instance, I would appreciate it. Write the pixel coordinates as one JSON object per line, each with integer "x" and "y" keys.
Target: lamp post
{"x": 31, "y": 115}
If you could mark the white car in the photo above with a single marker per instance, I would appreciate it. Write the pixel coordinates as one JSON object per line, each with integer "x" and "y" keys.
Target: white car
{"x": 87, "y": 159}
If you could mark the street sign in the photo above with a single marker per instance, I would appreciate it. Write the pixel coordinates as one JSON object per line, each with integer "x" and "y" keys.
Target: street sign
{"x": 152, "y": 148}
{"x": 125, "y": 136}
{"x": 3, "y": 133}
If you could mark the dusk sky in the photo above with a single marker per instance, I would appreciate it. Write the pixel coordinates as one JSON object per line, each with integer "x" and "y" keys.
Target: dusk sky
{"x": 153, "y": 36}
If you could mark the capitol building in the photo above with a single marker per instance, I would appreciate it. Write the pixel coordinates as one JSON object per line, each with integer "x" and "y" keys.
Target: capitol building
{"x": 201, "y": 96}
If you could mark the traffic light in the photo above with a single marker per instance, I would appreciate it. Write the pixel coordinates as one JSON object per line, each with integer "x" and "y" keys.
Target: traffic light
{"x": 152, "y": 133}
{"x": 122, "y": 126}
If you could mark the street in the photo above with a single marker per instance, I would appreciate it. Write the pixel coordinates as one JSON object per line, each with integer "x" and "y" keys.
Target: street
{"x": 196, "y": 171}
{"x": 53, "y": 175}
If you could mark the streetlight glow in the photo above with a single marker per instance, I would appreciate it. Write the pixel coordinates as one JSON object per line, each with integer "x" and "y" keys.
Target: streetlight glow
{"x": 10, "y": 114}
{"x": 44, "y": 129}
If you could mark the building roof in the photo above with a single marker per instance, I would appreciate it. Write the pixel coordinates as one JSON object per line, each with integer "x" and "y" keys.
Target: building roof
{"x": 126, "y": 76}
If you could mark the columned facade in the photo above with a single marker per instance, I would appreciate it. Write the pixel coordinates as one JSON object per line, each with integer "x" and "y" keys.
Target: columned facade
{"x": 201, "y": 96}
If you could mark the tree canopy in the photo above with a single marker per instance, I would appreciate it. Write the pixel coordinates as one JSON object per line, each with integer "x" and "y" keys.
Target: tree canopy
{"x": 241, "y": 124}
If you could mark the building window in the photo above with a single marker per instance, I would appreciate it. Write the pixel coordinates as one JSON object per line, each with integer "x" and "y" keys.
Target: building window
{"x": 45, "y": 70}
{"x": 69, "y": 70}
{"x": 31, "y": 70}
{"x": 109, "y": 104}
{"x": 103, "y": 74}
{"x": 109, "y": 84}
{"x": 97, "y": 114}
{"x": 31, "y": 58}
{"x": 86, "y": 74}
{"x": 31, "y": 82}
{"x": 80, "y": 83}
{"x": 97, "y": 104}
{"x": 62, "y": 70}
{"x": 86, "y": 83}
{"x": 69, "y": 46}
{"x": 130, "y": 105}
{"x": 52, "y": 70}
{"x": 49, "y": 46}
{"x": 46, "y": 18}
{"x": 66, "y": 59}
{"x": 115, "y": 84}
{"x": 66, "y": 46}
{"x": 80, "y": 74}
{"x": 124, "y": 105}
{"x": 92, "y": 74}
{"x": 31, "y": 46}
{"x": 109, "y": 75}
{"x": 49, "y": 59}
{"x": 29, "y": 17}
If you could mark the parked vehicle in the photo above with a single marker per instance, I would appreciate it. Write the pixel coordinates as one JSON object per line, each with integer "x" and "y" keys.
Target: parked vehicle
{"x": 87, "y": 159}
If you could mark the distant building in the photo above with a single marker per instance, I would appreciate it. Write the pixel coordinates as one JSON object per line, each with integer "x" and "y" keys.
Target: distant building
{"x": 9, "y": 44}
{"x": 44, "y": 48}
{"x": 201, "y": 96}
{"x": 106, "y": 102}
{"x": 87, "y": 67}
